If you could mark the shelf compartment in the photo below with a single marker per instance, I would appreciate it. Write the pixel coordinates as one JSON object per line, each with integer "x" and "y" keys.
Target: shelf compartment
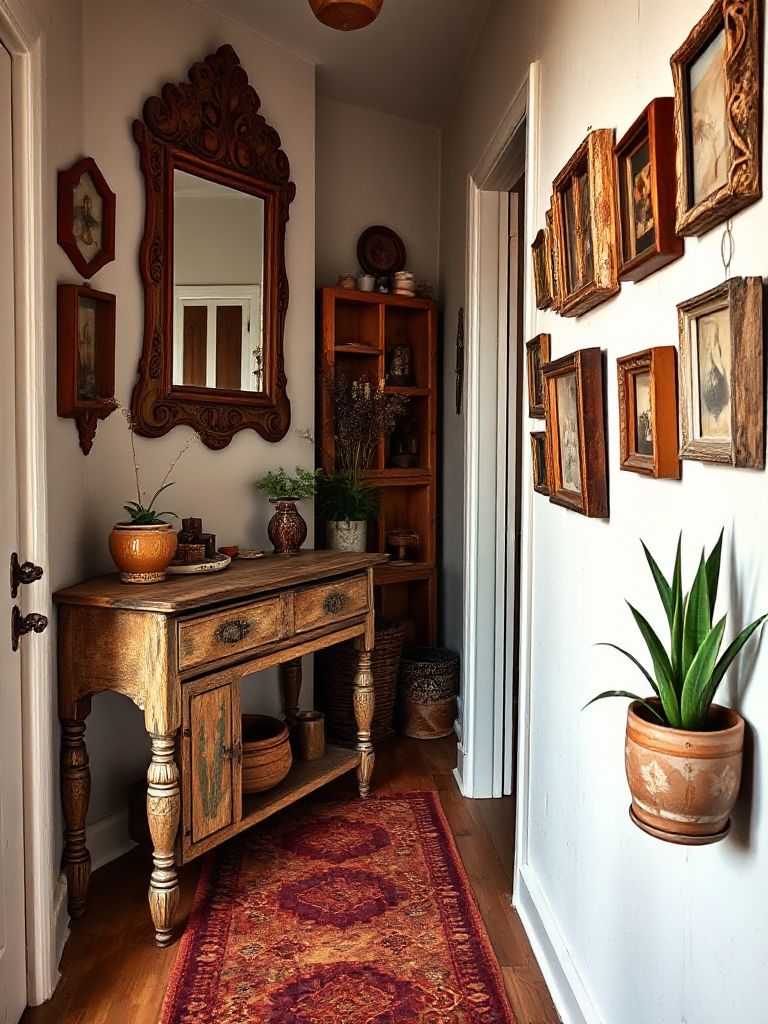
{"x": 413, "y": 602}
{"x": 407, "y": 508}
{"x": 407, "y": 326}
{"x": 419, "y": 410}
{"x": 357, "y": 324}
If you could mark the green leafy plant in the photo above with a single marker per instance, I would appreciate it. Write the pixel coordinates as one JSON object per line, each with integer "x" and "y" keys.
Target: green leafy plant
{"x": 686, "y": 679}
{"x": 144, "y": 514}
{"x": 343, "y": 496}
{"x": 279, "y": 486}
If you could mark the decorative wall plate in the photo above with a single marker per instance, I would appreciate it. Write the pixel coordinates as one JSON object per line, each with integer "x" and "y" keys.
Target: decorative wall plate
{"x": 380, "y": 251}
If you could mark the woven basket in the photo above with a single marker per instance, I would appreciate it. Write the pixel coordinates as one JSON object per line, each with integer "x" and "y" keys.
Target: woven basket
{"x": 335, "y": 670}
{"x": 429, "y": 682}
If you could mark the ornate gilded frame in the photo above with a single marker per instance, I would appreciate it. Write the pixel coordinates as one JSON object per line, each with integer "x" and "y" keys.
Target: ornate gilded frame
{"x": 743, "y": 78}
{"x": 661, "y": 366}
{"x": 539, "y": 461}
{"x": 742, "y": 297}
{"x": 211, "y": 128}
{"x": 593, "y": 161}
{"x": 537, "y": 352}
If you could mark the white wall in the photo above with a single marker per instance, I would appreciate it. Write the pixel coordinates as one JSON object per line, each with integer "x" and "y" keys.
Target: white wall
{"x": 232, "y": 233}
{"x": 373, "y": 168}
{"x": 98, "y": 82}
{"x": 651, "y": 932}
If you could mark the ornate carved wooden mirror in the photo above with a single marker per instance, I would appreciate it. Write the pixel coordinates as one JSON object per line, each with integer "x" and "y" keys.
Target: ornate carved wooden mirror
{"x": 213, "y": 259}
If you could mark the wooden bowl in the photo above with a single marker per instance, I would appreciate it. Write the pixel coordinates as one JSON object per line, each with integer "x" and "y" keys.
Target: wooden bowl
{"x": 266, "y": 752}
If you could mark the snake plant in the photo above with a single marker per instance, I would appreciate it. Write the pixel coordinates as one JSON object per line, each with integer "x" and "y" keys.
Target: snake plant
{"x": 686, "y": 679}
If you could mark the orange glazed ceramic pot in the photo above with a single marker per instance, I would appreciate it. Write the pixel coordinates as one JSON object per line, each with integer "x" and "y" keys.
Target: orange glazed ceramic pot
{"x": 142, "y": 553}
{"x": 684, "y": 784}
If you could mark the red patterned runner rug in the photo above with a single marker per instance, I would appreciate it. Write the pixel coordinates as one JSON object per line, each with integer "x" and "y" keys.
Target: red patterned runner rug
{"x": 343, "y": 912}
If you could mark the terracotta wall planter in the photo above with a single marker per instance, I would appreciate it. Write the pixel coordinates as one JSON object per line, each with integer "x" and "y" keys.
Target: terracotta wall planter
{"x": 142, "y": 553}
{"x": 684, "y": 784}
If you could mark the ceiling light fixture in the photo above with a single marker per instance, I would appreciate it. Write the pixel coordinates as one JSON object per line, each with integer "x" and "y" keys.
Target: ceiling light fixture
{"x": 346, "y": 15}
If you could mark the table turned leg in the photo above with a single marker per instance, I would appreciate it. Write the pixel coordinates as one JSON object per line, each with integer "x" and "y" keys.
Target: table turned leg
{"x": 363, "y": 700}
{"x": 75, "y": 794}
{"x": 290, "y": 679}
{"x": 163, "y": 804}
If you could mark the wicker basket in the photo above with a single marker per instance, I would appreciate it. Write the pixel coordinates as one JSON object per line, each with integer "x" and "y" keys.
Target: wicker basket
{"x": 335, "y": 670}
{"x": 429, "y": 682}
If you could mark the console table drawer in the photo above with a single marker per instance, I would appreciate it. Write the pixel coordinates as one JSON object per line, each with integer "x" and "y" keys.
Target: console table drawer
{"x": 331, "y": 602}
{"x": 230, "y": 632}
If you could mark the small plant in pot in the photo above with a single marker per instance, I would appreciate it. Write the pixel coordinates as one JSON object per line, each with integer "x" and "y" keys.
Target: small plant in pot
{"x": 143, "y": 546}
{"x": 364, "y": 415}
{"x": 287, "y": 530}
{"x": 683, "y": 752}
{"x": 346, "y": 503}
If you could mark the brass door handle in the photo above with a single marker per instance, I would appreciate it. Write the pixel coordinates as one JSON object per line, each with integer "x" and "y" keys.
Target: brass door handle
{"x": 21, "y": 624}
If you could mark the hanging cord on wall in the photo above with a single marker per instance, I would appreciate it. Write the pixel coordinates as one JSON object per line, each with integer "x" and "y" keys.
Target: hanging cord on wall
{"x": 727, "y": 248}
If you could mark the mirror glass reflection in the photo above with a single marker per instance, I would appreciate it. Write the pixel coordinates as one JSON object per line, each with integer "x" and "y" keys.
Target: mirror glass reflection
{"x": 218, "y": 272}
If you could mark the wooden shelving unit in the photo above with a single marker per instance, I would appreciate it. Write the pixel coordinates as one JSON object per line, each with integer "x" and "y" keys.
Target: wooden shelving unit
{"x": 357, "y": 330}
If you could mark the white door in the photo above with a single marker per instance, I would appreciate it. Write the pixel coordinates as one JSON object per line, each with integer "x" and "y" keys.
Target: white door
{"x": 13, "y": 989}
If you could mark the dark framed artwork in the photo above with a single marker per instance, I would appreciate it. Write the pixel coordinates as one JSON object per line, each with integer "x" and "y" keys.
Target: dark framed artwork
{"x": 537, "y": 353}
{"x": 722, "y": 395}
{"x": 646, "y": 179}
{"x": 584, "y": 225}
{"x": 576, "y": 470}
{"x": 718, "y": 115}
{"x": 648, "y": 412}
{"x": 86, "y": 217}
{"x": 86, "y": 358}
{"x": 542, "y": 270}
{"x": 539, "y": 461}
{"x": 553, "y": 261}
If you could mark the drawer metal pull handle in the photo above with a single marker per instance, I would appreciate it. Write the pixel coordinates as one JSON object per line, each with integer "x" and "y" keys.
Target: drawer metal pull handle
{"x": 334, "y": 603}
{"x": 232, "y": 632}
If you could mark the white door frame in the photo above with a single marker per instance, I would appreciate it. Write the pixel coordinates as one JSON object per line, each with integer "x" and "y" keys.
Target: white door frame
{"x": 24, "y": 41}
{"x": 488, "y": 544}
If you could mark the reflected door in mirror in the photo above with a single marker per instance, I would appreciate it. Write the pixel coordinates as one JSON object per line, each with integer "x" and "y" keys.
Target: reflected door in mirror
{"x": 217, "y": 282}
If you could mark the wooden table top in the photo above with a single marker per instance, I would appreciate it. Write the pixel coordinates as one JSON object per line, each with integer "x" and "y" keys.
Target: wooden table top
{"x": 241, "y": 579}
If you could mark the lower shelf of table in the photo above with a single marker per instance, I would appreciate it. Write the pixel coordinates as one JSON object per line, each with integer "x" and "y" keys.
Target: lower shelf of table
{"x": 303, "y": 778}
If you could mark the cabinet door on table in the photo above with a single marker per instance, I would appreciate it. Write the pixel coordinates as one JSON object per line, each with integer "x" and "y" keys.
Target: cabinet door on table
{"x": 211, "y": 784}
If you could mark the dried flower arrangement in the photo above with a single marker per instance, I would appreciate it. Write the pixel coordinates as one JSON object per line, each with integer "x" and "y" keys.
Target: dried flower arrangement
{"x": 364, "y": 415}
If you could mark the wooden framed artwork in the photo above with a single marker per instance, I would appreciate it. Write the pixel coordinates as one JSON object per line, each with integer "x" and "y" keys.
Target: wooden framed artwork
{"x": 537, "y": 353}
{"x": 539, "y": 461}
{"x": 542, "y": 270}
{"x": 722, "y": 396}
{"x": 585, "y": 228}
{"x": 576, "y": 469}
{"x": 718, "y": 115}
{"x": 646, "y": 180}
{"x": 553, "y": 262}
{"x": 648, "y": 412}
{"x": 86, "y": 358}
{"x": 86, "y": 217}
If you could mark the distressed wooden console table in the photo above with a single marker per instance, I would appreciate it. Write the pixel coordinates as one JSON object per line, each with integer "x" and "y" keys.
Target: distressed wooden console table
{"x": 179, "y": 650}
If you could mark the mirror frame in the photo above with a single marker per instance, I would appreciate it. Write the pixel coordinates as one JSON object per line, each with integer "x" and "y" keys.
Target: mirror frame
{"x": 211, "y": 128}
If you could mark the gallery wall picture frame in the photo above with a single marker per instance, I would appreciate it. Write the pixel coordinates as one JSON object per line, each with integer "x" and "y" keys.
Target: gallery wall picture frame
{"x": 537, "y": 352}
{"x": 577, "y": 469}
{"x": 86, "y": 358}
{"x": 539, "y": 461}
{"x": 646, "y": 178}
{"x": 585, "y": 225}
{"x": 85, "y": 217}
{"x": 722, "y": 392}
{"x": 542, "y": 270}
{"x": 553, "y": 261}
{"x": 718, "y": 115}
{"x": 648, "y": 412}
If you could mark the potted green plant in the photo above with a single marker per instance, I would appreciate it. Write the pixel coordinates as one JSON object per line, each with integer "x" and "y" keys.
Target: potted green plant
{"x": 683, "y": 752}
{"x": 364, "y": 414}
{"x": 346, "y": 503}
{"x": 287, "y": 530}
{"x": 143, "y": 546}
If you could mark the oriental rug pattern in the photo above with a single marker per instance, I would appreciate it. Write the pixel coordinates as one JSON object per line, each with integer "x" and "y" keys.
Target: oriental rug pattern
{"x": 343, "y": 912}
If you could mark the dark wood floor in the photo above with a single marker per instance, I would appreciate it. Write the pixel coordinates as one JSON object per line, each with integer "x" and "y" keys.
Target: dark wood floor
{"x": 113, "y": 972}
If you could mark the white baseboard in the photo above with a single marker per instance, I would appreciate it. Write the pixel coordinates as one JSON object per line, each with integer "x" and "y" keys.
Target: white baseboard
{"x": 560, "y": 972}
{"x": 107, "y": 838}
{"x": 60, "y": 918}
